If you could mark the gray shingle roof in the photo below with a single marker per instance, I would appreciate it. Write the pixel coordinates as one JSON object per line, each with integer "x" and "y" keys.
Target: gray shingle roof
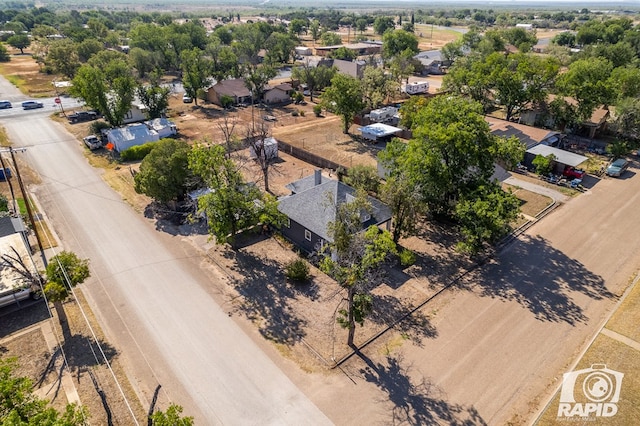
{"x": 313, "y": 207}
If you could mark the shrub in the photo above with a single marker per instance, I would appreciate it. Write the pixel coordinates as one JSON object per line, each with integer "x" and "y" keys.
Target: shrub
{"x": 543, "y": 164}
{"x": 301, "y": 113}
{"x": 317, "y": 110}
{"x": 297, "y": 270}
{"x": 407, "y": 258}
{"x": 137, "y": 153}
{"x": 97, "y": 126}
{"x": 294, "y": 113}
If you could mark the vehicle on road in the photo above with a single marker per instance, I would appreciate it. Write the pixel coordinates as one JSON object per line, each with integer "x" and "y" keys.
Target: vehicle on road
{"x": 80, "y": 116}
{"x": 187, "y": 99}
{"x": 572, "y": 172}
{"x": 5, "y": 105}
{"x": 617, "y": 168}
{"x": 92, "y": 142}
{"x": 32, "y": 105}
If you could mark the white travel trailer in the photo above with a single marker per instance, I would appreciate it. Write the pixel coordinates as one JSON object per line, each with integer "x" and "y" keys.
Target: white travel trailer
{"x": 416, "y": 88}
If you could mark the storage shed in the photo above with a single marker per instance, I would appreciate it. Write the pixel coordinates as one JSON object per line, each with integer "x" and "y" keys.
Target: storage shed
{"x": 269, "y": 149}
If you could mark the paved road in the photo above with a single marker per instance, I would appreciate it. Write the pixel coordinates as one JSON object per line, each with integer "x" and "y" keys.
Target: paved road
{"x": 505, "y": 341}
{"x": 150, "y": 295}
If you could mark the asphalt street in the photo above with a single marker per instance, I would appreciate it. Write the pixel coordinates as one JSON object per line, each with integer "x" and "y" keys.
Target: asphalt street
{"x": 150, "y": 295}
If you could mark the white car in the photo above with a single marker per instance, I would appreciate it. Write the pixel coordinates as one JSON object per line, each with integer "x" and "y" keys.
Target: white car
{"x": 92, "y": 142}
{"x": 186, "y": 99}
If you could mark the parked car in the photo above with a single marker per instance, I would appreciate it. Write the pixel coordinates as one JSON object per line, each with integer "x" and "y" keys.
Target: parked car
{"x": 92, "y": 142}
{"x": 32, "y": 105}
{"x": 573, "y": 173}
{"x": 269, "y": 118}
{"x": 79, "y": 116}
{"x": 617, "y": 168}
{"x": 186, "y": 99}
{"x": 5, "y": 105}
{"x": 19, "y": 294}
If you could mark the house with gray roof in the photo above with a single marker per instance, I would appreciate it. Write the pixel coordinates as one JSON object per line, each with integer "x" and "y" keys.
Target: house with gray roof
{"x": 312, "y": 205}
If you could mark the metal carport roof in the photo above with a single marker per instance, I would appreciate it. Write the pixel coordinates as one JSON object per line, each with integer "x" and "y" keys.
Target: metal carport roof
{"x": 564, "y": 157}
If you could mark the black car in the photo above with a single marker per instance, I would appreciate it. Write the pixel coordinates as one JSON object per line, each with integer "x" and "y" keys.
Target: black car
{"x": 80, "y": 116}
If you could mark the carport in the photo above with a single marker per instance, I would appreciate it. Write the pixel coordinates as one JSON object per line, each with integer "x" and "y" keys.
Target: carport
{"x": 562, "y": 158}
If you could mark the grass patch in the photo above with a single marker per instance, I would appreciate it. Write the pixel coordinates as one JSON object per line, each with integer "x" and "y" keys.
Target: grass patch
{"x": 627, "y": 317}
{"x": 617, "y": 356}
{"x": 4, "y": 139}
{"x": 531, "y": 203}
{"x": 46, "y": 236}
{"x": 24, "y": 73}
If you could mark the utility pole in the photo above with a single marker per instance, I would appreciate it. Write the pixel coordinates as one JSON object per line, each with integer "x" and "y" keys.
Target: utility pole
{"x": 27, "y": 203}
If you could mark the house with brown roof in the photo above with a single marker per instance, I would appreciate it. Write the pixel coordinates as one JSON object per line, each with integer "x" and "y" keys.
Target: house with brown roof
{"x": 234, "y": 89}
{"x": 540, "y": 115}
{"x": 277, "y": 94}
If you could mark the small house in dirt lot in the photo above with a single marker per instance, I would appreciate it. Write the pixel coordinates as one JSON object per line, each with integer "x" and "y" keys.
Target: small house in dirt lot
{"x": 234, "y": 89}
{"x": 277, "y": 94}
{"x": 303, "y": 51}
{"x": 312, "y": 205}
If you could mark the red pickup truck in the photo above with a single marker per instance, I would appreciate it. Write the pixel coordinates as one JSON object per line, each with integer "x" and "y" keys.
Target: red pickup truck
{"x": 572, "y": 172}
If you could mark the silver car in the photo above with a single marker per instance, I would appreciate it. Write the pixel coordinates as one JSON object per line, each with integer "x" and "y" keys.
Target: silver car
{"x": 617, "y": 168}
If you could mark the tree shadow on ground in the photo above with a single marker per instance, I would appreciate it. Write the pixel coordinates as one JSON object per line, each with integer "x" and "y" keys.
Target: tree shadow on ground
{"x": 14, "y": 318}
{"x": 268, "y": 299}
{"x": 436, "y": 258}
{"x": 357, "y": 145}
{"x": 175, "y": 222}
{"x": 388, "y": 309}
{"x": 541, "y": 278}
{"x": 82, "y": 352}
{"x": 414, "y": 402}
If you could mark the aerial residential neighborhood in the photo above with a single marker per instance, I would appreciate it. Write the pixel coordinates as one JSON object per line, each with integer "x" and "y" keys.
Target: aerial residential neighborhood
{"x": 290, "y": 214}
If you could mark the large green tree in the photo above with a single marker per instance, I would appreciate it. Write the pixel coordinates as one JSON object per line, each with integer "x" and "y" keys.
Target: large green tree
{"x": 19, "y": 41}
{"x": 588, "y": 82}
{"x": 154, "y": 97}
{"x": 395, "y": 42}
{"x": 452, "y": 151}
{"x": 520, "y": 79}
{"x": 164, "y": 174}
{"x": 232, "y": 205}
{"x": 63, "y": 57}
{"x": 64, "y": 271}
{"x": 196, "y": 72}
{"x": 377, "y": 87}
{"x": 316, "y": 78}
{"x": 19, "y": 406}
{"x": 354, "y": 259}
{"x": 485, "y": 216}
{"x": 344, "y": 98}
{"x": 108, "y": 87}
{"x": 382, "y": 24}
